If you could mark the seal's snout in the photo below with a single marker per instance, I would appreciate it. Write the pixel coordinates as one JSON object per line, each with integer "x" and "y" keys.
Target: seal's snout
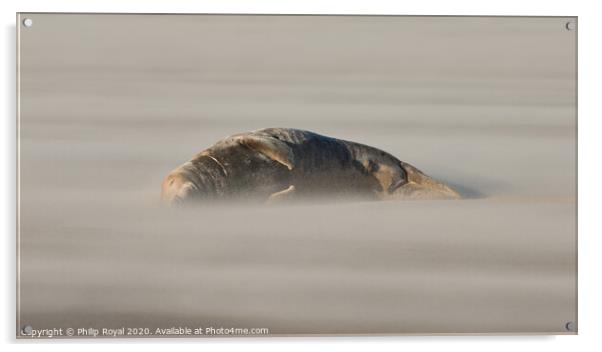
{"x": 450, "y": 193}
{"x": 436, "y": 190}
{"x": 433, "y": 191}
{"x": 421, "y": 186}
{"x": 176, "y": 188}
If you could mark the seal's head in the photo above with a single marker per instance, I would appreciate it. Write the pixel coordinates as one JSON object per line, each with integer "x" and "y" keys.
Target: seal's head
{"x": 417, "y": 185}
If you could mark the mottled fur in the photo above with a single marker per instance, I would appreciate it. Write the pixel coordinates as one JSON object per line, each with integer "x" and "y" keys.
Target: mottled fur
{"x": 284, "y": 163}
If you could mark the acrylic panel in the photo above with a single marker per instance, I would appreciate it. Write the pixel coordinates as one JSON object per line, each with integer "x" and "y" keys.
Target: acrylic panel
{"x": 384, "y": 175}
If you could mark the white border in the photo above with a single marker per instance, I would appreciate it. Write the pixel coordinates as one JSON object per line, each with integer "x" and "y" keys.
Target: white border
{"x": 590, "y": 115}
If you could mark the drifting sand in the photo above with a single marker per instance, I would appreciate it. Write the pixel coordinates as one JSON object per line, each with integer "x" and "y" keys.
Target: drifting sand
{"x": 110, "y": 104}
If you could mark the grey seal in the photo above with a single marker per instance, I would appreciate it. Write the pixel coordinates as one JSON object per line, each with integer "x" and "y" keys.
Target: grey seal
{"x": 284, "y": 163}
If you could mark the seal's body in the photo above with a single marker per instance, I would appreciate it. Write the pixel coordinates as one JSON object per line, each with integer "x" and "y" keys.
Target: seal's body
{"x": 279, "y": 163}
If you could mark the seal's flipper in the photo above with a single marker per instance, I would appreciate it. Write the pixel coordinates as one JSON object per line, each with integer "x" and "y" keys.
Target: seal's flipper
{"x": 282, "y": 195}
{"x": 271, "y": 147}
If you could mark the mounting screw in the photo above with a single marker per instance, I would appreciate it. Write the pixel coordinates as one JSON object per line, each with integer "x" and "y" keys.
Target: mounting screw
{"x": 28, "y": 22}
{"x": 27, "y": 329}
{"x": 570, "y": 26}
{"x": 570, "y": 326}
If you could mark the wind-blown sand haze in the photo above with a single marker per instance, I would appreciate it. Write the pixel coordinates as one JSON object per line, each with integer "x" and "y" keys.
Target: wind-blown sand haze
{"x": 109, "y": 104}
